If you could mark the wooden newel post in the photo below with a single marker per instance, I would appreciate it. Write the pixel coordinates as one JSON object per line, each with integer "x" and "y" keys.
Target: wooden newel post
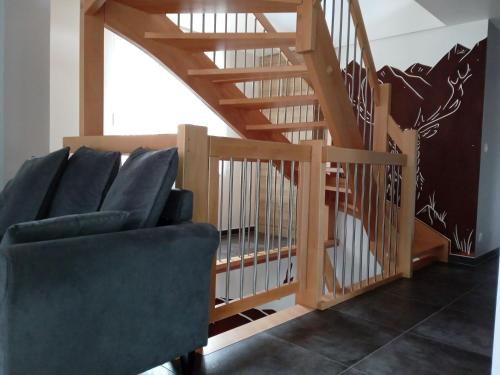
{"x": 194, "y": 168}
{"x": 311, "y": 227}
{"x": 382, "y": 115}
{"x": 192, "y": 142}
{"x": 408, "y": 196}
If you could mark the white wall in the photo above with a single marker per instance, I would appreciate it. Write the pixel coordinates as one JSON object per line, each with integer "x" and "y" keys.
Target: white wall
{"x": 488, "y": 216}
{"x": 426, "y": 47}
{"x": 64, "y": 70}
{"x": 26, "y": 81}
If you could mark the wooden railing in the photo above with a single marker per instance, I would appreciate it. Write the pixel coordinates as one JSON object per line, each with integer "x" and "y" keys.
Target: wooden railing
{"x": 269, "y": 203}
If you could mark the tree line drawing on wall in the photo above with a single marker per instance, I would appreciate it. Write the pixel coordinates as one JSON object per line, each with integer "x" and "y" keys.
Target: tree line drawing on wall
{"x": 444, "y": 104}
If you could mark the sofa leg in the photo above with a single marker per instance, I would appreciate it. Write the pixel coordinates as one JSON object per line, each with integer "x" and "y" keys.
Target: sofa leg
{"x": 187, "y": 362}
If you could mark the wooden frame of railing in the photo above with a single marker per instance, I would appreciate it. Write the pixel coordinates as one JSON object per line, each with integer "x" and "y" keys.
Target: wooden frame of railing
{"x": 200, "y": 155}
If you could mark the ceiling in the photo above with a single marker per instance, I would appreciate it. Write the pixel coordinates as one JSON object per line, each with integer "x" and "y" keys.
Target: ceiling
{"x": 453, "y": 12}
{"x": 387, "y": 18}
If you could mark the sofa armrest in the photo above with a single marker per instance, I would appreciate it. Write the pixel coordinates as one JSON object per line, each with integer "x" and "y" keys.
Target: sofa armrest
{"x": 112, "y": 303}
{"x": 179, "y": 208}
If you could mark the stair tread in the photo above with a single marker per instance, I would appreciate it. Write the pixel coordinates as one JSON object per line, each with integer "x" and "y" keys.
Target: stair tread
{"x": 223, "y": 41}
{"x": 289, "y": 127}
{"x": 235, "y": 75}
{"x": 270, "y": 102}
{"x": 211, "y": 6}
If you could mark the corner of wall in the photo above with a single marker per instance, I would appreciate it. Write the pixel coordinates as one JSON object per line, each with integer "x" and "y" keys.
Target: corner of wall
{"x": 488, "y": 213}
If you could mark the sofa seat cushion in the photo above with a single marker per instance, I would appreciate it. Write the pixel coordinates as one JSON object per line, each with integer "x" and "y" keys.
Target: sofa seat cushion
{"x": 65, "y": 227}
{"x": 143, "y": 185}
{"x": 85, "y": 181}
{"x": 27, "y": 196}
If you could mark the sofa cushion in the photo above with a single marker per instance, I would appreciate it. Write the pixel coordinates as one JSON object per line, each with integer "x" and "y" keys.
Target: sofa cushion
{"x": 142, "y": 186}
{"x": 85, "y": 181}
{"x": 27, "y": 196}
{"x": 65, "y": 227}
{"x": 179, "y": 208}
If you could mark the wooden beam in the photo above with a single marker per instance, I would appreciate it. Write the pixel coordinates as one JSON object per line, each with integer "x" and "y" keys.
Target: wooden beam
{"x": 289, "y": 127}
{"x": 364, "y": 43}
{"x": 408, "y": 196}
{"x": 239, "y": 149}
{"x": 212, "y": 6}
{"x": 222, "y": 41}
{"x": 270, "y": 102}
{"x": 343, "y": 155}
{"x": 122, "y": 143}
{"x": 91, "y": 6}
{"x": 237, "y": 306}
{"x": 315, "y": 45}
{"x": 382, "y": 116}
{"x": 193, "y": 167}
{"x": 311, "y": 292}
{"x": 235, "y": 75}
{"x": 92, "y": 73}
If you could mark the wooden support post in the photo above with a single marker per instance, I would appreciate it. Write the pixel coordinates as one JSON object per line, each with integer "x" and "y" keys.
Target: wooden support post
{"x": 91, "y": 70}
{"x": 193, "y": 174}
{"x": 311, "y": 227}
{"x": 382, "y": 116}
{"x": 213, "y": 218}
{"x": 193, "y": 167}
{"x": 408, "y": 194}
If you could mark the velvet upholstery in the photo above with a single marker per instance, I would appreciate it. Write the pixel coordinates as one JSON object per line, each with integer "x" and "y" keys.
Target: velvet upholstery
{"x": 179, "y": 208}
{"x": 113, "y": 304}
{"x": 85, "y": 181}
{"x": 65, "y": 227}
{"x": 27, "y": 196}
{"x": 142, "y": 186}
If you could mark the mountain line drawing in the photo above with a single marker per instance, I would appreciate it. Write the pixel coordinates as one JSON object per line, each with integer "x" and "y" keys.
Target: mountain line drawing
{"x": 444, "y": 103}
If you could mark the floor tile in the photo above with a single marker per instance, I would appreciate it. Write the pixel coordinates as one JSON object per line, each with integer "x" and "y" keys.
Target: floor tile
{"x": 157, "y": 371}
{"x": 471, "y": 332}
{"x": 476, "y": 300}
{"x": 387, "y": 309}
{"x": 335, "y": 335}
{"x": 264, "y": 355}
{"x": 466, "y": 277}
{"x": 427, "y": 291}
{"x": 411, "y": 355}
{"x": 353, "y": 371}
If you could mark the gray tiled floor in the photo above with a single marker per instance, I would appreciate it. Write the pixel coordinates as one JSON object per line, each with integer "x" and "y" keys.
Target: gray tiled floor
{"x": 440, "y": 322}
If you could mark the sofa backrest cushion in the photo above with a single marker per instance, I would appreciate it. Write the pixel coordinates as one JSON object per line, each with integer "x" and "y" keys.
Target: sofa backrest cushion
{"x": 65, "y": 227}
{"x": 85, "y": 181}
{"x": 27, "y": 196}
{"x": 179, "y": 208}
{"x": 142, "y": 186}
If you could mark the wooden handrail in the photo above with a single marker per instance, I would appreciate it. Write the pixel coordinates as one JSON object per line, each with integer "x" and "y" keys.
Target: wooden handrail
{"x": 239, "y": 149}
{"x": 363, "y": 41}
{"x": 346, "y": 155}
{"x": 122, "y": 143}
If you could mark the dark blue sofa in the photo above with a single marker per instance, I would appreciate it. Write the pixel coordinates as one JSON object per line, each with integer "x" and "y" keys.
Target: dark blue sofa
{"x": 113, "y": 303}
{"x": 117, "y": 303}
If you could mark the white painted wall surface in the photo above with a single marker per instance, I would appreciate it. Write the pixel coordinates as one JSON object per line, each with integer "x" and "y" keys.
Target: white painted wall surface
{"x": 426, "y": 47}
{"x": 64, "y": 70}
{"x": 26, "y": 81}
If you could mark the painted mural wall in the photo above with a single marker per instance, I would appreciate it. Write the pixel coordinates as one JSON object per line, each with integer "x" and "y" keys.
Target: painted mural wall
{"x": 444, "y": 103}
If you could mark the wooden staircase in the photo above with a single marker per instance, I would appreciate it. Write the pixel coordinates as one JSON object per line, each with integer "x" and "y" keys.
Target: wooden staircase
{"x": 265, "y": 84}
